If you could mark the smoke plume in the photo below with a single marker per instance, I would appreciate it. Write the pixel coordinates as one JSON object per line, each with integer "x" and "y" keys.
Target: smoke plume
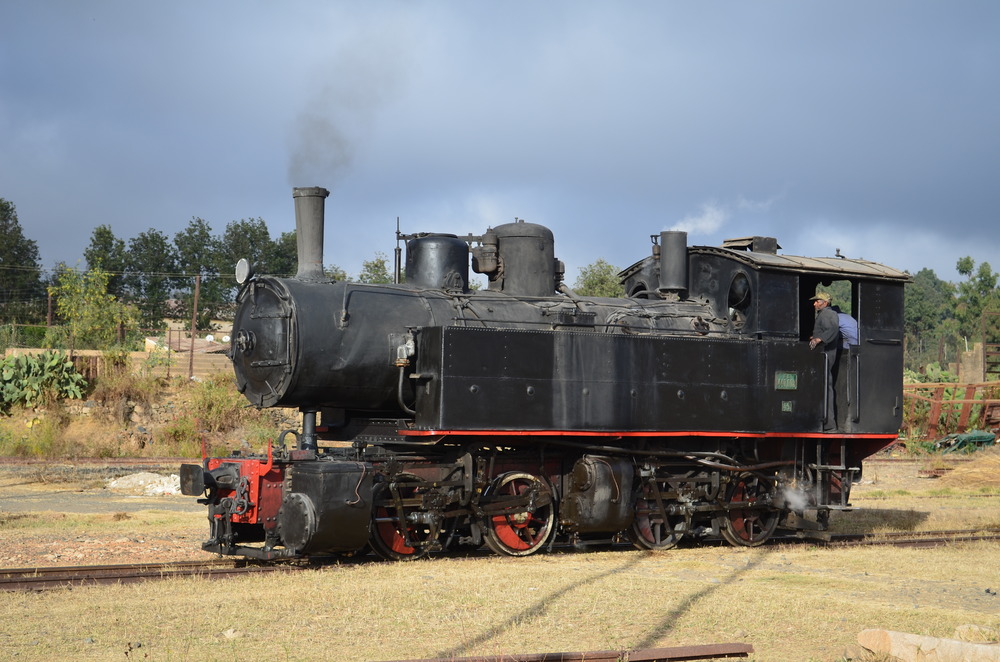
{"x": 366, "y": 71}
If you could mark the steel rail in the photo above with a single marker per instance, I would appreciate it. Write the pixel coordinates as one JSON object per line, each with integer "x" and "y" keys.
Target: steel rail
{"x": 672, "y": 654}
{"x": 111, "y": 462}
{"x": 45, "y": 578}
{"x": 916, "y": 539}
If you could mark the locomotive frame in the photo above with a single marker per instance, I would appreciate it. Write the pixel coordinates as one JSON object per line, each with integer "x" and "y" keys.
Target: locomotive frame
{"x": 435, "y": 416}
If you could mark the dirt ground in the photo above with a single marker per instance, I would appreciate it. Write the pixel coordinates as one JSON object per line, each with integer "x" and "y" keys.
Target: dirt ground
{"x": 76, "y": 520}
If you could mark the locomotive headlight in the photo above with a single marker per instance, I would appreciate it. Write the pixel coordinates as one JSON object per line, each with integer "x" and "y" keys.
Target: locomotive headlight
{"x": 192, "y": 479}
{"x": 244, "y": 271}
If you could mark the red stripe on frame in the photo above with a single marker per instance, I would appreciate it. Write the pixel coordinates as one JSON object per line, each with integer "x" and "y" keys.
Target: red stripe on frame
{"x": 689, "y": 433}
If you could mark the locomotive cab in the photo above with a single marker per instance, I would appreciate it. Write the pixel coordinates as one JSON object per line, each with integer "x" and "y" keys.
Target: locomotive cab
{"x": 764, "y": 298}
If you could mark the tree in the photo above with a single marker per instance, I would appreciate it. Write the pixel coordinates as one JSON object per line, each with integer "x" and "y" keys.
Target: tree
{"x": 375, "y": 270}
{"x": 335, "y": 272}
{"x": 840, "y": 291}
{"x": 96, "y": 318}
{"x": 107, "y": 253}
{"x": 976, "y": 294}
{"x": 284, "y": 257}
{"x": 150, "y": 276}
{"x": 248, "y": 239}
{"x": 22, "y": 293}
{"x": 928, "y": 302}
{"x": 929, "y": 320}
{"x": 198, "y": 255}
{"x": 599, "y": 279}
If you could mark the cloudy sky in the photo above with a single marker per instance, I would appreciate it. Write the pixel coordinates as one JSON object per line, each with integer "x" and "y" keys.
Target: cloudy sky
{"x": 872, "y": 127}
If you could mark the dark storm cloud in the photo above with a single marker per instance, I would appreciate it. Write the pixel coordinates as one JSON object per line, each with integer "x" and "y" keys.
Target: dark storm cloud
{"x": 870, "y": 127}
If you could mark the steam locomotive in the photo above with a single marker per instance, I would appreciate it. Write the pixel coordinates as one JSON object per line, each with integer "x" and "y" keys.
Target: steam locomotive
{"x": 435, "y": 416}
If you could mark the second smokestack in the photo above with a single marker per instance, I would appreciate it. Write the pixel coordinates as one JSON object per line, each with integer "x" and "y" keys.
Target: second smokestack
{"x": 673, "y": 261}
{"x": 310, "y": 202}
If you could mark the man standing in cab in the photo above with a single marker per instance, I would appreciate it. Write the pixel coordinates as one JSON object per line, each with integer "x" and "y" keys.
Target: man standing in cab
{"x": 826, "y": 336}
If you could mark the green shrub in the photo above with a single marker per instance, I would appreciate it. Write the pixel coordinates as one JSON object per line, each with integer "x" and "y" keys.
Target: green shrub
{"x": 32, "y": 436}
{"x": 180, "y": 432}
{"x": 8, "y": 336}
{"x": 7, "y": 441}
{"x": 56, "y": 337}
{"x": 119, "y": 389}
{"x": 217, "y": 405}
{"x": 38, "y": 380}
{"x": 258, "y": 434}
{"x": 159, "y": 357}
{"x": 183, "y": 438}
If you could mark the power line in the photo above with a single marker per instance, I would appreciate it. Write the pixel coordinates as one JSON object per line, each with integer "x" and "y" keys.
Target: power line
{"x": 162, "y": 274}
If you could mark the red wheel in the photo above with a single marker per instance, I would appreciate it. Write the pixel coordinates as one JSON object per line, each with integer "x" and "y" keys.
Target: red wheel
{"x": 521, "y": 530}
{"x": 394, "y": 536}
{"x": 650, "y": 530}
{"x": 752, "y": 525}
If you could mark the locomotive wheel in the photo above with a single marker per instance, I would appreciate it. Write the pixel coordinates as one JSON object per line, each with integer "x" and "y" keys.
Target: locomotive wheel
{"x": 752, "y": 526}
{"x": 387, "y": 537}
{"x": 650, "y": 531}
{"x": 525, "y": 532}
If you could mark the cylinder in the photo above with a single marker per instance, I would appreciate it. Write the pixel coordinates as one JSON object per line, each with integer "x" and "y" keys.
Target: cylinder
{"x": 673, "y": 261}
{"x": 309, "y": 207}
{"x": 438, "y": 261}
{"x": 526, "y": 252}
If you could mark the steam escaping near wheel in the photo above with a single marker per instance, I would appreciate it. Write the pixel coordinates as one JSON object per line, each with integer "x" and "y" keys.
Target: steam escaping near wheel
{"x": 795, "y": 499}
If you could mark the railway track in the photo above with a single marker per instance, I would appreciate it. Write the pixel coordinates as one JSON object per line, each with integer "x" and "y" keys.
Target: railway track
{"x": 892, "y": 538}
{"x": 672, "y": 654}
{"x": 45, "y": 578}
{"x": 40, "y": 579}
{"x": 915, "y": 539}
{"x": 116, "y": 462}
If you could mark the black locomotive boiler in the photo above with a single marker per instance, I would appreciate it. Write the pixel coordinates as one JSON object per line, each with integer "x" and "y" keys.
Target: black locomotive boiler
{"x": 435, "y": 416}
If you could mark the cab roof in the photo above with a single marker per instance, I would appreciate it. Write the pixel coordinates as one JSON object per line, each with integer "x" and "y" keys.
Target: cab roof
{"x": 835, "y": 266}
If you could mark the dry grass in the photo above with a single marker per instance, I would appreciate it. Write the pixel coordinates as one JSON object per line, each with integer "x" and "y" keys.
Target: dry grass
{"x": 792, "y": 603}
{"x": 892, "y": 499}
{"x": 77, "y": 524}
{"x": 982, "y": 474}
{"x": 919, "y": 511}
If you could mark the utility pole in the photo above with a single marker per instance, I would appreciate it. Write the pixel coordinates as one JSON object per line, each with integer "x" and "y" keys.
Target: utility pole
{"x": 194, "y": 323}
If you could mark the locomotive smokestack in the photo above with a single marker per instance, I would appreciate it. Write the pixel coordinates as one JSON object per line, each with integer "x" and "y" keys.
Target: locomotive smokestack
{"x": 309, "y": 206}
{"x": 673, "y": 261}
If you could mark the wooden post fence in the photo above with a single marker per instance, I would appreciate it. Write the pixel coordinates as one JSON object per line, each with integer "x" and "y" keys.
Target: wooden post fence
{"x": 935, "y": 397}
